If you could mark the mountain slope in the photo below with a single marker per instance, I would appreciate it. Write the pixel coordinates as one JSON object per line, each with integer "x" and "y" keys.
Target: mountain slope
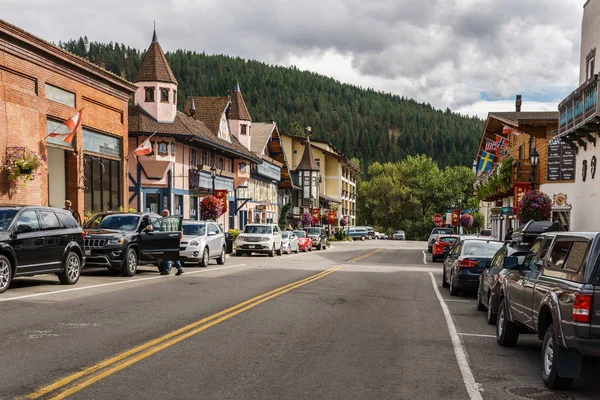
{"x": 372, "y": 126}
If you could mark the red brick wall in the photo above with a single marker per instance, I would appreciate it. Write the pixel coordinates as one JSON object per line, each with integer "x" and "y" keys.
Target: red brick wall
{"x": 23, "y": 111}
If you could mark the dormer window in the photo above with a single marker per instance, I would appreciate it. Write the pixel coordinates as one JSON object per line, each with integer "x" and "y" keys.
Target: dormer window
{"x": 149, "y": 95}
{"x": 164, "y": 95}
{"x": 244, "y": 127}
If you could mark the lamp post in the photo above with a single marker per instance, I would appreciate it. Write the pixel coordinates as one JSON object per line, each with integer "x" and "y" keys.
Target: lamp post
{"x": 534, "y": 158}
{"x": 213, "y": 175}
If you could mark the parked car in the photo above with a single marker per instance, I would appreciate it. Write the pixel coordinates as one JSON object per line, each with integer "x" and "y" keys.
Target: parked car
{"x": 358, "y": 233}
{"x": 442, "y": 246}
{"x": 202, "y": 241}
{"x": 433, "y": 235}
{"x": 290, "y": 242}
{"x": 318, "y": 236}
{"x": 554, "y": 294}
{"x": 122, "y": 241}
{"x": 399, "y": 235}
{"x": 259, "y": 238}
{"x": 304, "y": 241}
{"x": 488, "y": 293}
{"x": 466, "y": 261}
{"x": 39, "y": 240}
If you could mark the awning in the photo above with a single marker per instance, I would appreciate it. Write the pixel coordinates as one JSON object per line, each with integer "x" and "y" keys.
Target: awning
{"x": 329, "y": 199}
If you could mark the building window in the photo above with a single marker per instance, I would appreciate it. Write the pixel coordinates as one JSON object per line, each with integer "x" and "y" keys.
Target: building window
{"x": 295, "y": 151}
{"x": 178, "y": 205}
{"x": 318, "y": 161}
{"x": 531, "y": 145}
{"x": 102, "y": 184}
{"x": 564, "y": 217}
{"x": 58, "y": 127}
{"x": 521, "y": 155}
{"x": 164, "y": 95}
{"x": 204, "y": 157}
{"x": 149, "y": 95}
{"x": 193, "y": 159}
{"x": 221, "y": 163}
{"x": 174, "y": 96}
{"x": 101, "y": 144}
{"x": 163, "y": 149}
{"x": 590, "y": 62}
{"x": 244, "y": 127}
{"x": 59, "y": 95}
{"x": 212, "y": 159}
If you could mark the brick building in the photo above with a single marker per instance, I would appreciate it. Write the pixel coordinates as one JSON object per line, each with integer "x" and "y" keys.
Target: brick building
{"x": 41, "y": 86}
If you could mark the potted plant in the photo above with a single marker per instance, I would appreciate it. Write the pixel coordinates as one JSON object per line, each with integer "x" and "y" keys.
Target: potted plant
{"x": 210, "y": 208}
{"x": 306, "y": 219}
{"x": 21, "y": 163}
{"x": 536, "y": 206}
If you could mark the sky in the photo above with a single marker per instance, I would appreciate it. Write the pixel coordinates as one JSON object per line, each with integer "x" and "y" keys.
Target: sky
{"x": 472, "y": 56}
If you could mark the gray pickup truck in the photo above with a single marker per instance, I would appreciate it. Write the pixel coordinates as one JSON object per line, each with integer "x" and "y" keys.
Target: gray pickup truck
{"x": 555, "y": 293}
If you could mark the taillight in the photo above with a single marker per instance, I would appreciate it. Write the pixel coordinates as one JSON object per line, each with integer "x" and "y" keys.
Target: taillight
{"x": 82, "y": 234}
{"x": 582, "y": 308}
{"x": 467, "y": 263}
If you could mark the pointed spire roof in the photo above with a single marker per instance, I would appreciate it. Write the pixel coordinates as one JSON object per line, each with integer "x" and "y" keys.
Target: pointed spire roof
{"x": 307, "y": 163}
{"x": 154, "y": 66}
{"x": 238, "y": 110}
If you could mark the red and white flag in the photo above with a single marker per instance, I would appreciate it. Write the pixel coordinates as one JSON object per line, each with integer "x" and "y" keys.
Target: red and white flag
{"x": 506, "y": 130}
{"x": 67, "y": 135}
{"x": 144, "y": 148}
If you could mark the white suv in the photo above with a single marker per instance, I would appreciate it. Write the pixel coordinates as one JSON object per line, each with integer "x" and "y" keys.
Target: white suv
{"x": 259, "y": 238}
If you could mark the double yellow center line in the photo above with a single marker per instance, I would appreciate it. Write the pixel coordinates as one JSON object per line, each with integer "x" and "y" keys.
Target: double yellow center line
{"x": 362, "y": 257}
{"x": 80, "y": 380}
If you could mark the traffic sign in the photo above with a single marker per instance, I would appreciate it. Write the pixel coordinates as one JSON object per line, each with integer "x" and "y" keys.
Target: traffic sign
{"x": 438, "y": 219}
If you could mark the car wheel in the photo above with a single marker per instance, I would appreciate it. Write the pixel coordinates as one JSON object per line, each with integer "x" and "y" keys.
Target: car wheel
{"x": 71, "y": 271}
{"x": 280, "y": 251}
{"x": 507, "y": 332}
{"x": 221, "y": 259}
{"x": 272, "y": 252}
{"x": 480, "y": 306}
{"x": 130, "y": 263}
{"x": 491, "y": 315}
{"x": 444, "y": 281}
{"x": 551, "y": 357}
{"x": 248, "y": 253}
{"x": 454, "y": 291}
{"x": 204, "y": 260}
{"x": 363, "y": 238}
{"x": 5, "y": 274}
{"x": 238, "y": 253}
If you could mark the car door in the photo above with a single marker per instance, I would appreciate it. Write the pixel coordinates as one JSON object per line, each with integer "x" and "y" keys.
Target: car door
{"x": 515, "y": 284}
{"x": 28, "y": 242}
{"x": 161, "y": 242}
{"x": 214, "y": 242}
{"x": 55, "y": 239}
{"x": 276, "y": 237}
{"x": 532, "y": 271}
{"x": 490, "y": 274}
{"x": 451, "y": 259}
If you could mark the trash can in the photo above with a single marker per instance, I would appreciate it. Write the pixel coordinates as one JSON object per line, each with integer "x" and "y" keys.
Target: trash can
{"x": 229, "y": 243}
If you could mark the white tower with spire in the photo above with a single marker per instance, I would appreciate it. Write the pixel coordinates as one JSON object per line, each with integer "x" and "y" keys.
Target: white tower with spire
{"x": 240, "y": 120}
{"x": 157, "y": 86}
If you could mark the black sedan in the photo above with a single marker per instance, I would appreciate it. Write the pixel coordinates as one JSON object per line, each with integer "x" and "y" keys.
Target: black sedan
{"x": 488, "y": 293}
{"x": 467, "y": 259}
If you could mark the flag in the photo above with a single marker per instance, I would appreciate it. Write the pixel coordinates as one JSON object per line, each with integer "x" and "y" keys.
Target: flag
{"x": 486, "y": 161}
{"x": 507, "y": 130}
{"x": 72, "y": 124}
{"x": 501, "y": 146}
{"x": 490, "y": 145}
{"x": 144, "y": 148}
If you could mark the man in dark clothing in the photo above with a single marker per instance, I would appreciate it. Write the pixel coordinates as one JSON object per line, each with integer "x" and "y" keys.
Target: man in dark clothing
{"x": 169, "y": 225}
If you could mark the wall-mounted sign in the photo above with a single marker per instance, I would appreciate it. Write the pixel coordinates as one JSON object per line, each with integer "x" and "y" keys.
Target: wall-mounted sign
{"x": 521, "y": 190}
{"x": 561, "y": 162}
{"x": 507, "y": 210}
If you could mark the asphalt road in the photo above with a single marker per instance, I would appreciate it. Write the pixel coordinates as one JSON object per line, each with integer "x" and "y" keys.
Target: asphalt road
{"x": 365, "y": 320}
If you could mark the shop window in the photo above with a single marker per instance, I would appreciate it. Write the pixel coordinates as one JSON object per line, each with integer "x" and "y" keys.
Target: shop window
{"x": 164, "y": 95}
{"x": 564, "y": 217}
{"x": 152, "y": 203}
{"x": 149, "y": 95}
{"x": 178, "y": 205}
{"x": 102, "y": 184}
{"x": 59, "y": 95}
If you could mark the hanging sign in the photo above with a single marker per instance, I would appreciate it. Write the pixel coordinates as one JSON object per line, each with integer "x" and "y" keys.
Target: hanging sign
{"x": 222, "y": 196}
{"x": 455, "y": 216}
{"x": 332, "y": 216}
{"x": 521, "y": 189}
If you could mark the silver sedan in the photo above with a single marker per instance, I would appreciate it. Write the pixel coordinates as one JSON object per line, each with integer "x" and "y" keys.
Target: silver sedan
{"x": 289, "y": 242}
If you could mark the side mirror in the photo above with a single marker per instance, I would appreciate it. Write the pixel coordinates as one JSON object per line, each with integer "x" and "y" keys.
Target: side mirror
{"x": 24, "y": 228}
{"x": 511, "y": 263}
{"x": 212, "y": 233}
{"x": 149, "y": 228}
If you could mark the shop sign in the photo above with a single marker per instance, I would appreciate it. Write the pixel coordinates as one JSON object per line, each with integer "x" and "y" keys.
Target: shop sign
{"x": 561, "y": 162}
{"x": 222, "y": 196}
{"x": 520, "y": 190}
{"x": 507, "y": 210}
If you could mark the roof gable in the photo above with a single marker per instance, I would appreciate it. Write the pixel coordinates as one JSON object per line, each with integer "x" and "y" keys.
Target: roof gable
{"x": 154, "y": 66}
{"x": 239, "y": 111}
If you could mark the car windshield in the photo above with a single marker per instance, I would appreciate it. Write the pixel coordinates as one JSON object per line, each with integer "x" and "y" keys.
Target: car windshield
{"x": 194, "y": 229}
{"x": 300, "y": 233}
{"x": 480, "y": 248}
{"x": 448, "y": 239}
{"x": 6, "y": 217}
{"x": 486, "y": 233}
{"x": 442, "y": 231}
{"x": 313, "y": 231}
{"x": 285, "y": 235}
{"x": 399, "y": 232}
{"x": 260, "y": 229}
{"x": 115, "y": 222}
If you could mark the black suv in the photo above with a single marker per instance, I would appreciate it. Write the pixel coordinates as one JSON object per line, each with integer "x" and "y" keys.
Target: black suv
{"x": 555, "y": 293}
{"x": 39, "y": 240}
{"x": 122, "y": 241}
{"x": 318, "y": 237}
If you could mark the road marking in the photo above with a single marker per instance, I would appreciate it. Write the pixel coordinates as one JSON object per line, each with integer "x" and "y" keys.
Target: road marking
{"x": 129, "y": 357}
{"x": 477, "y": 335}
{"x": 75, "y": 289}
{"x": 472, "y": 387}
{"x": 424, "y": 257}
{"x": 458, "y": 301}
{"x": 362, "y": 257}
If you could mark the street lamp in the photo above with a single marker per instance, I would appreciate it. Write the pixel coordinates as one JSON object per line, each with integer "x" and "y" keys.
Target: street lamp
{"x": 534, "y": 158}
{"x": 213, "y": 175}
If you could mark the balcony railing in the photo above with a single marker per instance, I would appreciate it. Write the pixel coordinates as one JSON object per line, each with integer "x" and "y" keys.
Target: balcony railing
{"x": 268, "y": 170}
{"x": 201, "y": 181}
{"x": 579, "y": 108}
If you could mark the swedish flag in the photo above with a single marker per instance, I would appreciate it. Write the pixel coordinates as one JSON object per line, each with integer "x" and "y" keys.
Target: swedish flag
{"x": 486, "y": 161}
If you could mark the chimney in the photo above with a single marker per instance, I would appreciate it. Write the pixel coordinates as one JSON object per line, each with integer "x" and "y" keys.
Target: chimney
{"x": 518, "y": 103}
{"x": 192, "y": 110}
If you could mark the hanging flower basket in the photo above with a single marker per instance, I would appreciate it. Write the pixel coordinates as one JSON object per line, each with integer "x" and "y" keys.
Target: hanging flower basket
{"x": 210, "y": 208}
{"x": 466, "y": 220}
{"x": 536, "y": 206}
{"x": 21, "y": 163}
{"x": 306, "y": 219}
{"x": 343, "y": 221}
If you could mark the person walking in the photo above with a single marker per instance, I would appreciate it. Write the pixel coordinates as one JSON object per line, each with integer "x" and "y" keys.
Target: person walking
{"x": 169, "y": 225}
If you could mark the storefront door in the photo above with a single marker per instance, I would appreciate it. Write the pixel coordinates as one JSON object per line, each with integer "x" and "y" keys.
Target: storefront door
{"x": 57, "y": 177}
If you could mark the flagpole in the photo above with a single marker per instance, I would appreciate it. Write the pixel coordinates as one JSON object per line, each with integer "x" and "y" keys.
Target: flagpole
{"x": 148, "y": 138}
{"x": 63, "y": 123}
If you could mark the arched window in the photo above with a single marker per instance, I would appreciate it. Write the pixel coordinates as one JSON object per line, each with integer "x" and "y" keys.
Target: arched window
{"x": 164, "y": 95}
{"x": 149, "y": 95}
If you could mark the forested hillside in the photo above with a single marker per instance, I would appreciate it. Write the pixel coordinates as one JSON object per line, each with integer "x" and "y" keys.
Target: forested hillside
{"x": 372, "y": 126}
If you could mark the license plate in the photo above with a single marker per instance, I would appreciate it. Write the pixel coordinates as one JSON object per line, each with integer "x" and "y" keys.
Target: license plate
{"x": 253, "y": 247}
{"x": 88, "y": 252}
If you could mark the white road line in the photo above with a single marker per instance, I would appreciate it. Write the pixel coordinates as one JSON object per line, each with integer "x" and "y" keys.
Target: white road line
{"x": 28, "y": 296}
{"x": 424, "y": 257}
{"x": 458, "y": 301}
{"x": 459, "y": 351}
{"x": 477, "y": 335}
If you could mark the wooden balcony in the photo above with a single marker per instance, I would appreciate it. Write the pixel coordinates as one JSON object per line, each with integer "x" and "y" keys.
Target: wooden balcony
{"x": 580, "y": 113}
{"x": 521, "y": 173}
